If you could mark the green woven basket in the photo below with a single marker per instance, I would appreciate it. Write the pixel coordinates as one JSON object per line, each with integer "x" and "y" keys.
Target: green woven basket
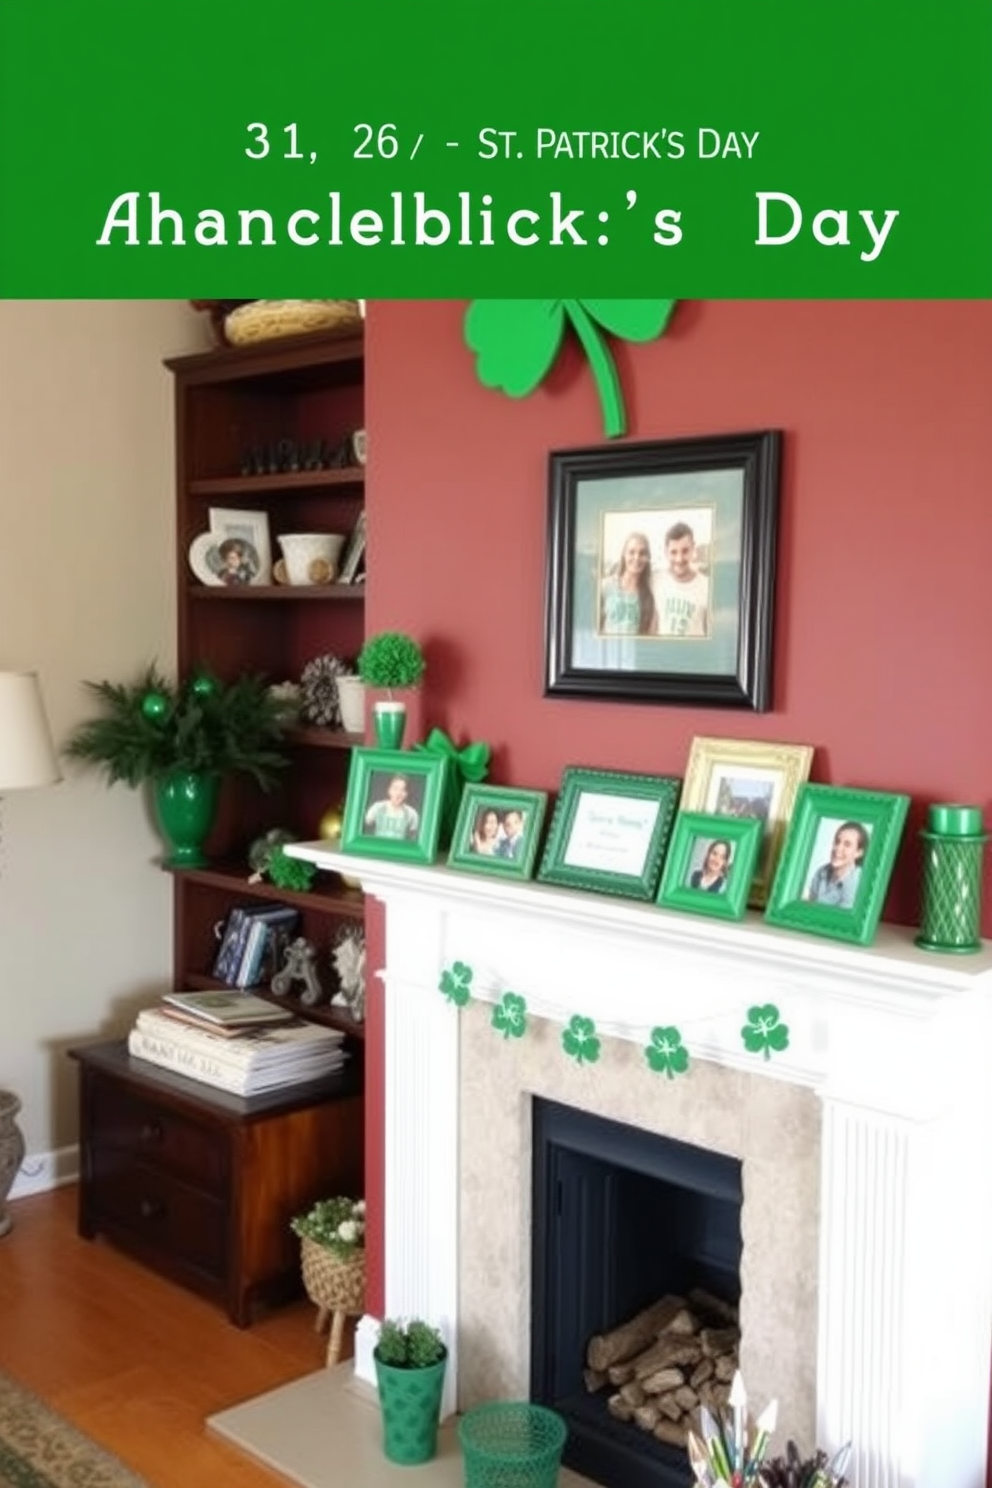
{"x": 511, "y": 1444}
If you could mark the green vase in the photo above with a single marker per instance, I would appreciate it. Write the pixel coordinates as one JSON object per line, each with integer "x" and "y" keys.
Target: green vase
{"x": 185, "y": 807}
{"x": 952, "y": 893}
{"x": 410, "y": 1400}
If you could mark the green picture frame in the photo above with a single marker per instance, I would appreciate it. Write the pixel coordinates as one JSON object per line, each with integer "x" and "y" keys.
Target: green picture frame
{"x": 382, "y": 822}
{"x": 498, "y": 830}
{"x": 733, "y": 844}
{"x": 837, "y": 861}
{"x": 609, "y": 831}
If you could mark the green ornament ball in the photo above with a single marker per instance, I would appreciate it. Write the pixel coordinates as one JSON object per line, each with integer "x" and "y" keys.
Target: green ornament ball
{"x": 154, "y": 706}
{"x": 203, "y": 686}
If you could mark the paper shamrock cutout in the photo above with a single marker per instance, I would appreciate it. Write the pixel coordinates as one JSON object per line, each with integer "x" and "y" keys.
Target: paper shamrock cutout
{"x": 764, "y": 1032}
{"x": 516, "y": 342}
{"x": 510, "y": 1015}
{"x": 456, "y": 983}
{"x": 666, "y": 1054}
{"x": 580, "y": 1042}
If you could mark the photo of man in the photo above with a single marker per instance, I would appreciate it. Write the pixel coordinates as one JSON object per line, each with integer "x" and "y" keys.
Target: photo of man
{"x": 682, "y": 589}
{"x": 391, "y": 814}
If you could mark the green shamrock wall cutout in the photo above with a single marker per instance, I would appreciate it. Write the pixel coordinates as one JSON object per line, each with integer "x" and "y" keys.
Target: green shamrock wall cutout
{"x": 510, "y": 1015}
{"x": 666, "y": 1054}
{"x": 765, "y": 1031}
{"x": 516, "y": 342}
{"x": 456, "y": 983}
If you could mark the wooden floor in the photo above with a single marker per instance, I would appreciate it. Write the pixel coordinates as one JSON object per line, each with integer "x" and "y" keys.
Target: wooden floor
{"x": 135, "y": 1362}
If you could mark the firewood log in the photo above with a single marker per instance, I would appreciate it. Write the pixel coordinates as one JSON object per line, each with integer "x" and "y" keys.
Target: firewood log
{"x": 593, "y": 1379}
{"x": 646, "y": 1416}
{"x": 717, "y": 1341}
{"x": 703, "y": 1371}
{"x": 669, "y": 1406}
{"x": 666, "y": 1351}
{"x": 687, "y": 1398}
{"x": 675, "y": 1433}
{"x": 631, "y": 1337}
{"x": 619, "y": 1374}
{"x": 704, "y": 1301}
{"x": 633, "y": 1392}
{"x": 618, "y": 1408}
{"x": 684, "y": 1322}
{"x": 663, "y": 1380}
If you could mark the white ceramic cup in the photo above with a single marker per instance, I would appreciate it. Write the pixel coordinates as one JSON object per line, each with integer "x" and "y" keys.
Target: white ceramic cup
{"x": 311, "y": 557}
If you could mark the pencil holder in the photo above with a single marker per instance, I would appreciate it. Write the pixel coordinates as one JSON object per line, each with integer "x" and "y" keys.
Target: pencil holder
{"x": 953, "y": 849}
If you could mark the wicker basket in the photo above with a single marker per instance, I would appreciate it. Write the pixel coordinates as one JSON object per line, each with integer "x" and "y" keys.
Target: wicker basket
{"x": 331, "y": 1284}
{"x": 269, "y": 320}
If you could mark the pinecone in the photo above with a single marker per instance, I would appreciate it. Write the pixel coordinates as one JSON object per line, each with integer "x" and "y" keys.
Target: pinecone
{"x": 319, "y": 691}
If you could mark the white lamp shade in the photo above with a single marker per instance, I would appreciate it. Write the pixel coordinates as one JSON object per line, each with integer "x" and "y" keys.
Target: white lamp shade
{"x": 27, "y": 754}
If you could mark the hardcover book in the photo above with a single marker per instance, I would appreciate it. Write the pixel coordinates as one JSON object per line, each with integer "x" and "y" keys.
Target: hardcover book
{"x": 227, "y": 1008}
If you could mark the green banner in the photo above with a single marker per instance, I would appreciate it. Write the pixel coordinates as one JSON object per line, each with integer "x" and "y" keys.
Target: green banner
{"x": 455, "y": 148}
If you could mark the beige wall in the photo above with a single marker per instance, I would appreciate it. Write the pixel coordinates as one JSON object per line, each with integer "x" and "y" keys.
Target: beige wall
{"x": 86, "y": 591}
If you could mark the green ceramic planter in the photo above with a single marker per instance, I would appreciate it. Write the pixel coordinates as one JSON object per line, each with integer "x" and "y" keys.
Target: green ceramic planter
{"x": 389, "y": 724}
{"x": 185, "y": 807}
{"x": 410, "y": 1400}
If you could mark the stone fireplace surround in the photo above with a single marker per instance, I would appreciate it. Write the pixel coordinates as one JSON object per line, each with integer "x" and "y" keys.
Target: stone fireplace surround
{"x": 867, "y": 1219}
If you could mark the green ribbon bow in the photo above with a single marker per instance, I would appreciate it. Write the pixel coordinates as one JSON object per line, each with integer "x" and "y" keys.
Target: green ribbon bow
{"x": 468, "y": 764}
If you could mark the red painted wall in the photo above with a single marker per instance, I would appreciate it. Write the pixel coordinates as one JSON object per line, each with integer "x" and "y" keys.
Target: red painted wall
{"x": 884, "y": 599}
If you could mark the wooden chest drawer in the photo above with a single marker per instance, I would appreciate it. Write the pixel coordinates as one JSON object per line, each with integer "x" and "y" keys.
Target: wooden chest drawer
{"x": 148, "y": 1132}
{"x": 162, "y": 1213}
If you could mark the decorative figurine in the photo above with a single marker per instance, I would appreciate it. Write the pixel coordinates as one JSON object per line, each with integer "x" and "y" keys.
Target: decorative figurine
{"x": 299, "y": 965}
{"x": 348, "y": 957}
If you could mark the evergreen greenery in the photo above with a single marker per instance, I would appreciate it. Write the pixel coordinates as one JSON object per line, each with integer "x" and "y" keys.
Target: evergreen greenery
{"x": 409, "y": 1345}
{"x": 391, "y": 659}
{"x": 151, "y": 727}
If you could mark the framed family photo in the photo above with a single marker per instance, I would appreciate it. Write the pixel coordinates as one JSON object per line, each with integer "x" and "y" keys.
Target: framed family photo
{"x": 710, "y": 864}
{"x": 243, "y": 545}
{"x": 741, "y": 778}
{"x": 393, "y": 804}
{"x": 660, "y": 573}
{"x": 609, "y": 831}
{"x": 837, "y": 862}
{"x": 498, "y": 830}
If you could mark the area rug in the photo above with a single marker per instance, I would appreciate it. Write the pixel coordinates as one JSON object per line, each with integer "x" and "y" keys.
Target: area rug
{"x": 40, "y": 1449}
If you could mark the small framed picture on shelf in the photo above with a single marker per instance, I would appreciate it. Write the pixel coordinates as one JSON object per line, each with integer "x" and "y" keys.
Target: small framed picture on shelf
{"x": 243, "y": 545}
{"x": 746, "y": 778}
{"x": 710, "y": 864}
{"x": 498, "y": 830}
{"x": 837, "y": 862}
{"x": 354, "y": 553}
{"x": 609, "y": 831}
{"x": 393, "y": 804}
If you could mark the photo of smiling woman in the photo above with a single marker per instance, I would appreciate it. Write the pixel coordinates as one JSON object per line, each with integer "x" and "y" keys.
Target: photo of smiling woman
{"x": 712, "y": 874}
{"x": 836, "y": 882}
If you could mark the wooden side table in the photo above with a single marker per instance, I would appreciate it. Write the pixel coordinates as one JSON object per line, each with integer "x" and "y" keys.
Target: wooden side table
{"x": 201, "y": 1185}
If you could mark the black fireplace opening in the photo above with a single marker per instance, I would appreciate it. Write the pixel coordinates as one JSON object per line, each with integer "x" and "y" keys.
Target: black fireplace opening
{"x": 621, "y": 1217}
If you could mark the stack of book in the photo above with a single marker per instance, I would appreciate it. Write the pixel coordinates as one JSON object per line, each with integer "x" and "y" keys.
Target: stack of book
{"x": 234, "y": 1041}
{"x": 253, "y": 941}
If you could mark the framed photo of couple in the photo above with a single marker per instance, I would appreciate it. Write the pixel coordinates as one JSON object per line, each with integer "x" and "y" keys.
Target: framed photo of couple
{"x": 498, "y": 830}
{"x": 660, "y": 577}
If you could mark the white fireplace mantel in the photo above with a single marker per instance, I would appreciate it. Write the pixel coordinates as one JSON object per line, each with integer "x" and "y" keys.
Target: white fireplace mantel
{"x": 892, "y": 1039}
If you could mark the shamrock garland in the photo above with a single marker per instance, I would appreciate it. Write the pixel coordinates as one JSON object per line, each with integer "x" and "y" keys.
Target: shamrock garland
{"x": 666, "y": 1054}
{"x": 764, "y": 1032}
{"x": 510, "y": 1016}
{"x": 516, "y": 342}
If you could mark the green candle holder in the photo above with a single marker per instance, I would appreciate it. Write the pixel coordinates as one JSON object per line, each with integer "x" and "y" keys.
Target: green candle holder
{"x": 953, "y": 849}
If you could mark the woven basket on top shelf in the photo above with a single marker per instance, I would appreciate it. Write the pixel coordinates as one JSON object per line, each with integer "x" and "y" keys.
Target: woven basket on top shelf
{"x": 269, "y": 320}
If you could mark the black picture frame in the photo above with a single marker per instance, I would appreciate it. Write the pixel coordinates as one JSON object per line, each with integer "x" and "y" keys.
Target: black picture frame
{"x": 724, "y": 491}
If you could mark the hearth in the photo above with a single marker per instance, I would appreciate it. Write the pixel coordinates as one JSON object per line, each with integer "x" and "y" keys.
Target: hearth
{"x": 623, "y": 1218}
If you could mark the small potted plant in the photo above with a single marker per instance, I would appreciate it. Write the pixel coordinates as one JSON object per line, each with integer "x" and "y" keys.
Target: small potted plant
{"x": 182, "y": 739}
{"x": 391, "y": 662}
{"x": 332, "y": 1256}
{"x": 410, "y": 1362}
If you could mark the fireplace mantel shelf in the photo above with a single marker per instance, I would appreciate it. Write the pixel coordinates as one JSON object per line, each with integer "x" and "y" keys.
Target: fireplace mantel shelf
{"x": 893, "y": 964}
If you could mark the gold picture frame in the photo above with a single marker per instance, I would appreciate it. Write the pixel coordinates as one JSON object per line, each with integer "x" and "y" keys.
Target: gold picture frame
{"x": 742, "y": 777}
